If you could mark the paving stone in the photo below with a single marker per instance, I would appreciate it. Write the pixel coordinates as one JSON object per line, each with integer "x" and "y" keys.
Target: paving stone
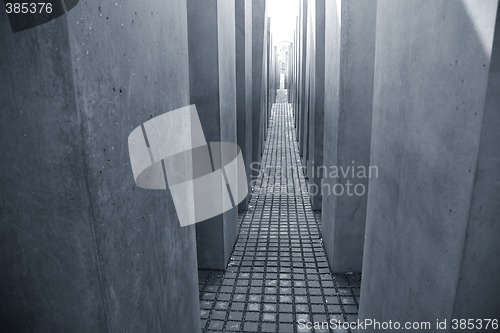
{"x": 250, "y": 327}
{"x": 233, "y": 326}
{"x": 266, "y": 327}
{"x": 286, "y": 328}
{"x": 252, "y": 316}
{"x": 216, "y": 324}
{"x": 237, "y": 316}
{"x": 286, "y": 318}
{"x": 218, "y": 315}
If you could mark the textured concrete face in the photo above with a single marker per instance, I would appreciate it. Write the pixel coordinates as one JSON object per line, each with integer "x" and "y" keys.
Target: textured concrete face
{"x": 291, "y": 86}
{"x": 86, "y": 249}
{"x": 349, "y": 61}
{"x": 258, "y": 29}
{"x": 243, "y": 19}
{"x": 271, "y": 82}
{"x": 44, "y": 204}
{"x": 212, "y": 73}
{"x": 266, "y": 83}
{"x": 309, "y": 33}
{"x": 310, "y": 65}
{"x": 317, "y": 104}
{"x": 274, "y": 74}
{"x": 483, "y": 231}
{"x": 295, "y": 76}
{"x": 433, "y": 145}
{"x": 332, "y": 76}
{"x": 289, "y": 71}
{"x": 302, "y": 76}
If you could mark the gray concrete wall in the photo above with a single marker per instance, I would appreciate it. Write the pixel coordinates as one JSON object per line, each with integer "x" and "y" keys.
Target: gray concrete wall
{"x": 483, "y": 231}
{"x": 212, "y": 73}
{"x": 349, "y": 62}
{"x": 426, "y": 234}
{"x": 264, "y": 101}
{"x": 277, "y": 69}
{"x": 295, "y": 77}
{"x": 295, "y": 97}
{"x": 302, "y": 94}
{"x": 243, "y": 19}
{"x": 332, "y": 78}
{"x": 258, "y": 29}
{"x": 310, "y": 70}
{"x": 273, "y": 75}
{"x": 317, "y": 106}
{"x": 298, "y": 45}
{"x": 82, "y": 248}
{"x": 249, "y": 64}
{"x": 289, "y": 70}
{"x": 308, "y": 85}
{"x": 266, "y": 87}
{"x": 44, "y": 201}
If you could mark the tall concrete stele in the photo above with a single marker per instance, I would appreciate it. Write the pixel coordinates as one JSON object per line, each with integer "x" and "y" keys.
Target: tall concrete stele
{"x": 83, "y": 248}
{"x": 244, "y": 79}
{"x": 212, "y": 79}
{"x": 259, "y": 78}
{"x": 217, "y": 57}
{"x": 349, "y": 64}
{"x": 432, "y": 228}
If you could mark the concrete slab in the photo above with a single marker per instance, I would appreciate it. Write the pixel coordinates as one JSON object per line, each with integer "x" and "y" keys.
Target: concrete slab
{"x": 303, "y": 93}
{"x": 244, "y": 83}
{"x": 473, "y": 299}
{"x": 317, "y": 105}
{"x": 212, "y": 78}
{"x": 349, "y": 63}
{"x": 83, "y": 248}
{"x": 426, "y": 241}
{"x": 258, "y": 33}
{"x": 310, "y": 54}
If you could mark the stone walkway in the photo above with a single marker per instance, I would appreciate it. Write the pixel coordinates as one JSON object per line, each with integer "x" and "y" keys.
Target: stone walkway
{"x": 278, "y": 273}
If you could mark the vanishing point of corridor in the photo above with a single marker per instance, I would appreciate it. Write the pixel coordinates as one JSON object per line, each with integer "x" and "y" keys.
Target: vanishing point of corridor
{"x": 195, "y": 166}
{"x": 278, "y": 274}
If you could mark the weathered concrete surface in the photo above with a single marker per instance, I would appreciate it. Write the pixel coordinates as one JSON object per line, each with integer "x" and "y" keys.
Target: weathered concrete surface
{"x": 483, "y": 231}
{"x": 317, "y": 103}
{"x": 266, "y": 86}
{"x": 428, "y": 239}
{"x": 310, "y": 55}
{"x": 302, "y": 75}
{"x": 349, "y": 62}
{"x": 295, "y": 68}
{"x": 271, "y": 72}
{"x": 289, "y": 71}
{"x": 277, "y": 68}
{"x": 50, "y": 279}
{"x": 309, "y": 34}
{"x": 258, "y": 32}
{"x": 212, "y": 74}
{"x": 292, "y": 89}
{"x": 480, "y": 259}
{"x": 243, "y": 17}
{"x": 83, "y": 249}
